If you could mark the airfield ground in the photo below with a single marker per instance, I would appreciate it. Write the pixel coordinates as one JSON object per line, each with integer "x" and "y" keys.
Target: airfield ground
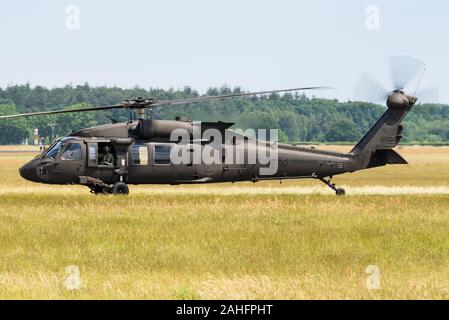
{"x": 294, "y": 240}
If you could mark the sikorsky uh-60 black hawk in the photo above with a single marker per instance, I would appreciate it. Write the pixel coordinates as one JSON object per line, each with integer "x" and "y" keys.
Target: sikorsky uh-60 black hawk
{"x": 108, "y": 158}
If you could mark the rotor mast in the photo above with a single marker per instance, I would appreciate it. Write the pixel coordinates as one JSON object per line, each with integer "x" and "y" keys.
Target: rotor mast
{"x": 141, "y": 113}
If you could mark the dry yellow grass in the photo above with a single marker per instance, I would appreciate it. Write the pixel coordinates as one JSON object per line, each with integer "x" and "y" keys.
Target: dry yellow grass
{"x": 19, "y": 147}
{"x": 294, "y": 240}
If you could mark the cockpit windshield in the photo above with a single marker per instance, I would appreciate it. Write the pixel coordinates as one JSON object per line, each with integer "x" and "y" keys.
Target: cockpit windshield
{"x": 54, "y": 150}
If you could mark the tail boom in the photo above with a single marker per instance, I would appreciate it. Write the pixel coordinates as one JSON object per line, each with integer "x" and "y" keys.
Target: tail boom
{"x": 375, "y": 148}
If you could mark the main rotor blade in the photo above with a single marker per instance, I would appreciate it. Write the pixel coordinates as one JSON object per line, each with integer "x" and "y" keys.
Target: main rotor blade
{"x": 404, "y": 69}
{"x": 61, "y": 111}
{"x": 227, "y": 96}
{"x": 150, "y": 103}
{"x": 370, "y": 90}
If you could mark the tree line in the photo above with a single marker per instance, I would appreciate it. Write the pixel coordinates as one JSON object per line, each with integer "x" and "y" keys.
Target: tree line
{"x": 299, "y": 118}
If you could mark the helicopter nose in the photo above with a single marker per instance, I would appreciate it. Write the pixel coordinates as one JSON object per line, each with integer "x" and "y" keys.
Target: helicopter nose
{"x": 28, "y": 171}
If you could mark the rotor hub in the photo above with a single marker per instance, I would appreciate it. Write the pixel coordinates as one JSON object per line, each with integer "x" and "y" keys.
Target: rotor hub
{"x": 399, "y": 100}
{"x": 139, "y": 102}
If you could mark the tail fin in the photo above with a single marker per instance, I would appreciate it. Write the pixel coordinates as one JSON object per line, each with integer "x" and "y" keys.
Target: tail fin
{"x": 374, "y": 149}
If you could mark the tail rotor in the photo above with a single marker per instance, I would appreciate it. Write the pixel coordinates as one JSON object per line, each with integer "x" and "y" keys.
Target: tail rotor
{"x": 403, "y": 71}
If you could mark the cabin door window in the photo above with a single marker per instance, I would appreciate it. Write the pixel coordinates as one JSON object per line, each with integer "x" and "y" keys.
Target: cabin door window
{"x": 139, "y": 154}
{"x": 162, "y": 154}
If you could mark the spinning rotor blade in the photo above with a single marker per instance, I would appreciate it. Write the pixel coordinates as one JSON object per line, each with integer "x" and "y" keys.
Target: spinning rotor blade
{"x": 61, "y": 111}
{"x": 140, "y": 103}
{"x": 428, "y": 95}
{"x": 369, "y": 89}
{"x": 227, "y": 96}
{"x": 404, "y": 69}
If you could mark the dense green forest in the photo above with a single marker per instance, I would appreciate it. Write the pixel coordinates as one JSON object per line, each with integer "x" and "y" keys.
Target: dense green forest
{"x": 301, "y": 119}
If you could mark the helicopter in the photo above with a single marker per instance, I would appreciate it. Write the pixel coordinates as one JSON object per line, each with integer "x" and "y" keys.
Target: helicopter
{"x": 108, "y": 158}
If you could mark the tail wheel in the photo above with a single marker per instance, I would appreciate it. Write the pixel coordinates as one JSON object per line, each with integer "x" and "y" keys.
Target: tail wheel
{"x": 120, "y": 188}
{"x": 340, "y": 192}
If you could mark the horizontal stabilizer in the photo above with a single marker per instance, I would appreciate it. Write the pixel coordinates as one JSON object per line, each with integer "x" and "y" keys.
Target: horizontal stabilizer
{"x": 383, "y": 157}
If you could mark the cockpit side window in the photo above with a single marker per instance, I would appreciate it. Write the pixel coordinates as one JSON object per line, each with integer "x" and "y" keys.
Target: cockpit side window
{"x": 72, "y": 152}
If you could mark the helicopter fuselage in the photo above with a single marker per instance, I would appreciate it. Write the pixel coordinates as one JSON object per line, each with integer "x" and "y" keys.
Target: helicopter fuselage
{"x": 148, "y": 162}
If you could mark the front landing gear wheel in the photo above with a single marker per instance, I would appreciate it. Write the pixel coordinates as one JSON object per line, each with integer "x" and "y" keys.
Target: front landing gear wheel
{"x": 120, "y": 188}
{"x": 340, "y": 192}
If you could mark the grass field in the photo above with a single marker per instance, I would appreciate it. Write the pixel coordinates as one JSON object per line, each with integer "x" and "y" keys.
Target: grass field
{"x": 294, "y": 240}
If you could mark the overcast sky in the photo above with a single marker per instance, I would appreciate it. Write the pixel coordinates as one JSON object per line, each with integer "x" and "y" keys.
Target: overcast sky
{"x": 255, "y": 44}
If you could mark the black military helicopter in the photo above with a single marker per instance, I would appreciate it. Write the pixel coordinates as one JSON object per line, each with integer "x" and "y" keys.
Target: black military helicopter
{"x": 108, "y": 158}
